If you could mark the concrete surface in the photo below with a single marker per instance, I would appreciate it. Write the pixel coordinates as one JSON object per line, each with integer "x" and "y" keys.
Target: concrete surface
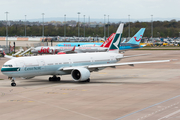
{"x": 142, "y": 92}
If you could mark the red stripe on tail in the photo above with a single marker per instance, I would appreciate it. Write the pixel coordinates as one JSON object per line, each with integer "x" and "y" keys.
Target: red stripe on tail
{"x": 107, "y": 43}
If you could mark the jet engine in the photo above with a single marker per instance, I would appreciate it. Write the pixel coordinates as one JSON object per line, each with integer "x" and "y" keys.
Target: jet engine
{"x": 80, "y": 74}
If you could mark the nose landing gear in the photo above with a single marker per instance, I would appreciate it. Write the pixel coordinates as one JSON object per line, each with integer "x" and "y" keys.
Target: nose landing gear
{"x": 12, "y": 81}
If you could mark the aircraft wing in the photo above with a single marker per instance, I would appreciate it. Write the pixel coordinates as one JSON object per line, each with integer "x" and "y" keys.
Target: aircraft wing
{"x": 113, "y": 64}
{"x": 128, "y": 63}
{"x": 136, "y": 55}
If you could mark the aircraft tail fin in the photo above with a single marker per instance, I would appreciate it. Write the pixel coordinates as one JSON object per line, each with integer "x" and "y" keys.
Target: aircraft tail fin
{"x": 115, "y": 44}
{"x": 108, "y": 41}
{"x": 124, "y": 40}
{"x": 136, "y": 39}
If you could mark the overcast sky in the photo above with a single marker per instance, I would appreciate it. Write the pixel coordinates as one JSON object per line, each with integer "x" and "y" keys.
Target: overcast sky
{"x": 118, "y": 9}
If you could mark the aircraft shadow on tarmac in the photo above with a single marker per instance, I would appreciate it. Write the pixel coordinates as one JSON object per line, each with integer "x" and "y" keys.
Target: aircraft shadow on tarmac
{"x": 119, "y": 80}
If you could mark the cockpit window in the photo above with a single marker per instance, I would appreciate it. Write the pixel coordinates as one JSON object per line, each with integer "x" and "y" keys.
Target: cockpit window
{"x": 7, "y": 66}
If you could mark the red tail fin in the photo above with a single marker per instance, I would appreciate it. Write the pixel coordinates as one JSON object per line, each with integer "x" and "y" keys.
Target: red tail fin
{"x": 108, "y": 41}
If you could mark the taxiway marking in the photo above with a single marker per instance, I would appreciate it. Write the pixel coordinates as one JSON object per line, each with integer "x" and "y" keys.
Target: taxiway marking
{"x": 147, "y": 107}
{"x": 170, "y": 114}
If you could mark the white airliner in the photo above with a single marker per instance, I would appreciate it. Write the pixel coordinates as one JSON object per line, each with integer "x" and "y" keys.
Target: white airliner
{"x": 78, "y": 65}
{"x": 70, "y": 50}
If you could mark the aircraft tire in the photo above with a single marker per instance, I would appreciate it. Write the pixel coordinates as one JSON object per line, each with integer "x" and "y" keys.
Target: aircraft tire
{"x": 13, "y": 84}
{"x": 58, "y": 79}
{"x": 50, "y": 78}
{"x": 88, "y": 80}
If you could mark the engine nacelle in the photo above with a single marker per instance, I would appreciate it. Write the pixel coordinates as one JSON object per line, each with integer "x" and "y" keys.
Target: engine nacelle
{"x": 80, "y": 74}
{"x": 60, "y": 53}
{"x": 27, "y": 77}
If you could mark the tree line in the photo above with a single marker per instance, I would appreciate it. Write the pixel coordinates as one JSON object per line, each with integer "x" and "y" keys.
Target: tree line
{"x": 160, "y": 29}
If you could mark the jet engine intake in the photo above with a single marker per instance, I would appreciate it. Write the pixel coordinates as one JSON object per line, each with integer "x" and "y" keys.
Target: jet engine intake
{"x": 80, "y": 74}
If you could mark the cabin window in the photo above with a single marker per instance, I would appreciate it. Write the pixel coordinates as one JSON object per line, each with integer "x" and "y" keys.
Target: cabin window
{"x": 7, "y": 66}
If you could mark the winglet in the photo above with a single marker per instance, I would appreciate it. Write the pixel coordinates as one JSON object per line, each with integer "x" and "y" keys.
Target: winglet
{"x": 173, "y": 59}
{"x": 73, "y": 48}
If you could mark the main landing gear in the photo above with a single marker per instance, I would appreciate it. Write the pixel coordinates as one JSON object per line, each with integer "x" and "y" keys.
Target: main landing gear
{"x": 88, "y": 80}
{"x": 12, "y": 81}
{"x": 54, "y": 78}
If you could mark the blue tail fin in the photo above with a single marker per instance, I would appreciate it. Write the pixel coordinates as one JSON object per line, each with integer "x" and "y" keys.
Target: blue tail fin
{"x": 124, "y": 40}
{"x": 136, "y": 39}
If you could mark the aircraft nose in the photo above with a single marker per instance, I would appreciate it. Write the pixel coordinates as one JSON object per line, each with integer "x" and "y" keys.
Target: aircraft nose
{"x": 3, "y": 71}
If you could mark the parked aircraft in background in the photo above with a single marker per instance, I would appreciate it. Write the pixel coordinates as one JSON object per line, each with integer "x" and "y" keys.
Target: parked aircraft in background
{"x": 77, "y": 44}
{"x": 78, "y": 65}
{"x": 124, "y": 40}
{"x": 67, "y": 50}
{"x": 133, "y": 43}
{"x": 136, "y": 39}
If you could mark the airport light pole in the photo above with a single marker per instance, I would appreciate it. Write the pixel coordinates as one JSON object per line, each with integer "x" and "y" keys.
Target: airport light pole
{"x": 152, "y": 26}
{"x": 104, "y": 28}
{"x": 108, "y": 25}
{"x": 65, "y": 25}
{"x": 78, "y": 22}
{"x": 129, "y": 25}
{"x": 43, "y": 26}
{"x": 6, "y": 29}
{"x": 89, "y": 22}
{"x": 84, "y": 26}
{"x": 25, "y": 26}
